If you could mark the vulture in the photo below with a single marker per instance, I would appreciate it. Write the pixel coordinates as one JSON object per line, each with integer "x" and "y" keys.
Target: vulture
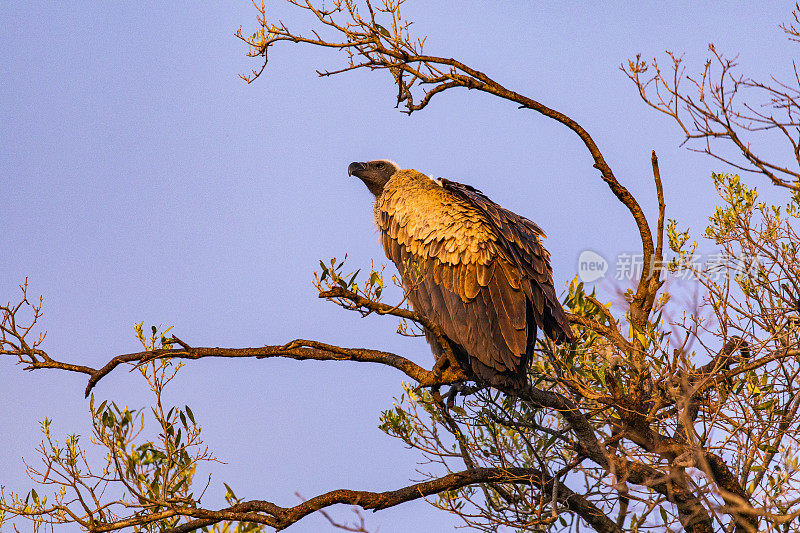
{"x": 476, "y": 270}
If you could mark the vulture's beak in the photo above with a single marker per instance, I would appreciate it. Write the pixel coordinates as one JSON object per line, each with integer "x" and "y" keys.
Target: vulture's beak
{"x": 355, "y": 167}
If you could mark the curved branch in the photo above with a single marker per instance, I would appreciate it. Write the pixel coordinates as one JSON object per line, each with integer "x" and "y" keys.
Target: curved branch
{"x": 280, "y": 518}
{"x": 587, "y": 438}
{"x": 299, "y": 349}
{"x": 366, "y": 47}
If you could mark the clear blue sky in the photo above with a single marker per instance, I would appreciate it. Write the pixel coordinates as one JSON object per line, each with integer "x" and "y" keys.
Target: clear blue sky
{"x": 141, "y": 180}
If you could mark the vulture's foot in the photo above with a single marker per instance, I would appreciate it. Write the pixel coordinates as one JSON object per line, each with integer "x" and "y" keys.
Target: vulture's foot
{"x": 453, "y": 393}
{"x": 462, "y": 388}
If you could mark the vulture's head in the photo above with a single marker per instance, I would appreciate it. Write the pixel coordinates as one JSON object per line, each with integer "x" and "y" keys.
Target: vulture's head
{"x": 374, "y": 174}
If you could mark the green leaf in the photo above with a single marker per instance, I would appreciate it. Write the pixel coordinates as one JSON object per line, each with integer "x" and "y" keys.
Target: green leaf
{"x": 178, "y": 485}
{"x": 768, "y": 448}
{"x": 191, "y": 415}
{"x": 229, "y": 494}
{"x": 383, "y": 31}
{"x": 458, "y": 410}
{"x": 765, "y": 405}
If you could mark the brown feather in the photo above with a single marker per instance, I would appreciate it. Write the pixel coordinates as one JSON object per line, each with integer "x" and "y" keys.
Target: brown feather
{"x": 484, "y": 273}
{"x": 504, "y": 307}
{"x": 508, "y": 359}
{"x": 435, "y": 247}
{"x": 471, "y": 285}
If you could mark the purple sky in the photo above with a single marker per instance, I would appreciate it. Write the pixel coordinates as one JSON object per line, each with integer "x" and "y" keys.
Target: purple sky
{"x": 142, "y": 180}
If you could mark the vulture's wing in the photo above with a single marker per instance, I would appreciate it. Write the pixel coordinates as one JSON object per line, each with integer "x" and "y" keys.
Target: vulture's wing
{"x": 477, "y": 270}
{"x": 520, "y": 239}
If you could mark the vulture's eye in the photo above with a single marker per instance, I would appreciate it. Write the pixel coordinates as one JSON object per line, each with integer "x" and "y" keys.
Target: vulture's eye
{"x": 380, "y": 166}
